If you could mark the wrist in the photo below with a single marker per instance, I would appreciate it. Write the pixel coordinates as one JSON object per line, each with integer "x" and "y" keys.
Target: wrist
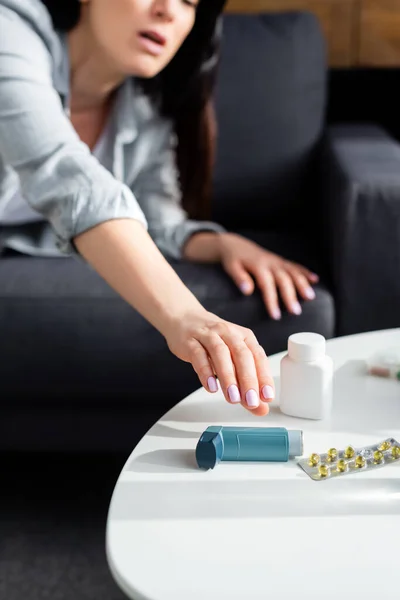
{"x": 203, "y": 246}
{"x": 171, "y": 318}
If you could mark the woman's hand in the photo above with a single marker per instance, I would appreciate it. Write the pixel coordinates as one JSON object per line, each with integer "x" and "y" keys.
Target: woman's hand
{"x": 217, "y": 348}
{"x": 244, "y": 260}
{"x": 123, "y": 253}
{"x": 248, "y": 263}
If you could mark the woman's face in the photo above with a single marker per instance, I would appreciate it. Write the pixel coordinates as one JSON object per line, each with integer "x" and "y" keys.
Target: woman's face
{"x": 139, "y": 37}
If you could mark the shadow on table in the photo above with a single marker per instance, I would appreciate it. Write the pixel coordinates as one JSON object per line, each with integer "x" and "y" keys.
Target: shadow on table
{"x": 162, "y": 430}
{"x": 164, "y": 461}
{"x": 273, "y": 498}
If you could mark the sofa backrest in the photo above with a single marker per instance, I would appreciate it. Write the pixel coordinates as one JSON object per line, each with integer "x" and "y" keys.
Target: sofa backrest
{"x": 270, "y": 104}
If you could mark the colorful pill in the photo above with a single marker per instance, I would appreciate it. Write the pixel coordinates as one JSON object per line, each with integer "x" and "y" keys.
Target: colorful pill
{"x": 378, "y": 457}
{"x": 314, "y": 460}
{"x": 396, "y": 452}
{"x": 332, "y": 454}
{"x": 349, "y": 452}
{"x": 342, "y": 466}
{"x": 323, "y": 470}
{"x": 385, "y": 446}
{"x": 359, "y": 462}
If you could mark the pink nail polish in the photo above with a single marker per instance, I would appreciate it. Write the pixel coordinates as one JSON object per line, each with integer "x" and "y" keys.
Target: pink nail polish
{"x": 212, "y": 384}
{"x": 252, "y": 399}
{"x": 276, "y": 314}
{"x": 245, "y": 287}
{"x": 310, "y": 294}
{"x": 268, "y": 392}
{"x": 296, "y": 308}
{"x": 234, "y": 394}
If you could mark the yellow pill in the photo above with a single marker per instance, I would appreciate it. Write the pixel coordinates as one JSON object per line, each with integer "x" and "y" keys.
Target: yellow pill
{"x": 360, "y": 462}
{"x": 314, "y": 459}
{"x": 349, "y": 452}
{"x": 378, "y": 457}
{"x": 385, "y": 446}
{"x": 396, "y": 452}
{"x": 323, "y": 470}
{"x": 342, "y": 466}
{"x": 332, "y": 454}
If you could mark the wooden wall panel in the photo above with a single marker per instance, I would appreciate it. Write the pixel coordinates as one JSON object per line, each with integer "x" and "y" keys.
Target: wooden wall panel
{"x": 380, "y": 33}
{"x": 338, "y": 19}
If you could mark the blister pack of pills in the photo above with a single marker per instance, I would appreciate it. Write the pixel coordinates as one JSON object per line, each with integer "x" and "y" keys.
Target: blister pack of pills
{"x": 385, "y": 364}
{"x": 335, "y": 463}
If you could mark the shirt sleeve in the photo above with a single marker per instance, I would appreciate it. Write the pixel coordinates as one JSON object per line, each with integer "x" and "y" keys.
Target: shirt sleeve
{"x": 158, "y": 192}
{"x": 58, "y": 175}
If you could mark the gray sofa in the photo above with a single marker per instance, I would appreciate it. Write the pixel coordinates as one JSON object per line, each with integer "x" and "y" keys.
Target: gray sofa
{"x": 80, "y": 370}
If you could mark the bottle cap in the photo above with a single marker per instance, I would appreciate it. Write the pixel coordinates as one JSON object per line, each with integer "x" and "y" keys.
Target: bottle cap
{"x": 306, "y": 347}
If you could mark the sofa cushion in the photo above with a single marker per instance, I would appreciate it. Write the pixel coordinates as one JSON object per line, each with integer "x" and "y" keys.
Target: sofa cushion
{"x": 270, "y": 103}
{"x": 67, "y": 339}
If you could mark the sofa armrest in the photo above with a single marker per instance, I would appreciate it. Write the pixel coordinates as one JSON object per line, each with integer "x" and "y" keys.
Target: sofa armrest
{"x": 361, "y": 187}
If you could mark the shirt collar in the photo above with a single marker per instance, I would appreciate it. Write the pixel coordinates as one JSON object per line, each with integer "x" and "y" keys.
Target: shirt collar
{"x": 133, "y": 109}
{"x": 61, "y": 67}
{"x": 125, "y": 111}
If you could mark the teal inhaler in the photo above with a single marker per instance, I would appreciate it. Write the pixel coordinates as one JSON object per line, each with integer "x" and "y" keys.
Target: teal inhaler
{"x": 255, "y": 444}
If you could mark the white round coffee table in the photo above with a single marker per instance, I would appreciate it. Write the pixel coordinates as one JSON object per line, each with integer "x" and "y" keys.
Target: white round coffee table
{"x": 255, "y": 531}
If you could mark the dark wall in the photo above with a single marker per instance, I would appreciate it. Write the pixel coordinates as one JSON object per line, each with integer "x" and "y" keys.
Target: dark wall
{"x": 365, "y": 95}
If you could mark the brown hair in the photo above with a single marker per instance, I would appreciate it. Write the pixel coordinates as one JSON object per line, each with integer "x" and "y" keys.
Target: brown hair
{"x": 195, "y": 160}
{"x": 186, "y": 88}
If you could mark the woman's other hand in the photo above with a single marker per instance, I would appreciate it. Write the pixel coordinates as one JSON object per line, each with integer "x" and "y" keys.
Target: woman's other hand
{"x": 249, "y": 264}
{"x": 221, "y": 350}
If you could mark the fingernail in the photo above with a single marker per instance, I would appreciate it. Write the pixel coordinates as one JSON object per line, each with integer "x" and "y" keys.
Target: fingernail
{"x": 310, "y": 293}
{"x": 252, "y": 399}
{"x": 245, "y": 287}
{"x": 268, "y": 392}
{"x": 296, "y": 308}
{"x": 212, "y": 384}
{"x": 276, "y": 314}
{"x": 234, "y": 394}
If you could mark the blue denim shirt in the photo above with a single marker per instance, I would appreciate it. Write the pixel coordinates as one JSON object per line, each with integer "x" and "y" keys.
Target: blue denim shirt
{"x": 42, "y": 156}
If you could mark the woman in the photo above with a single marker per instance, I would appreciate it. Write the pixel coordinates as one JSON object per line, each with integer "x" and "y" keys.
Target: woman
{"x": 98, "y": 102}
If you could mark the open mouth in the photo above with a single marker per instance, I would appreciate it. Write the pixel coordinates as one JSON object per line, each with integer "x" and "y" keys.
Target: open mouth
{"x": 154, "y": 37}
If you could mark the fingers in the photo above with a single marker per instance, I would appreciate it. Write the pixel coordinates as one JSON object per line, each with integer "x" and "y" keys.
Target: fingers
{"x": 203, "y": 366}
{"x": 267, "y": 386}
{"x": 233, "y": 355}
{"x": 302, "y": 284}
{"x": 267, "y": 285}
{"x": 252, "y": 370}
{"x": 236, "y": 367}
{"x": 291, "y": 280}
{"x": 287, "y": 291}
{"x": 246, "y": 373}
{"x": 212, "y": 350}
{"x": 312, "y": 277}
{"x": 240, "y": 276}
{"x": 221, "y": 358}
{"x": 288, "y": 279}
{"x": 309, "y": 275}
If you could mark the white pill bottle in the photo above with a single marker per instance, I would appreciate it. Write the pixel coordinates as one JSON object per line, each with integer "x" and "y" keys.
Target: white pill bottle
{"x": 306, "y": 378}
